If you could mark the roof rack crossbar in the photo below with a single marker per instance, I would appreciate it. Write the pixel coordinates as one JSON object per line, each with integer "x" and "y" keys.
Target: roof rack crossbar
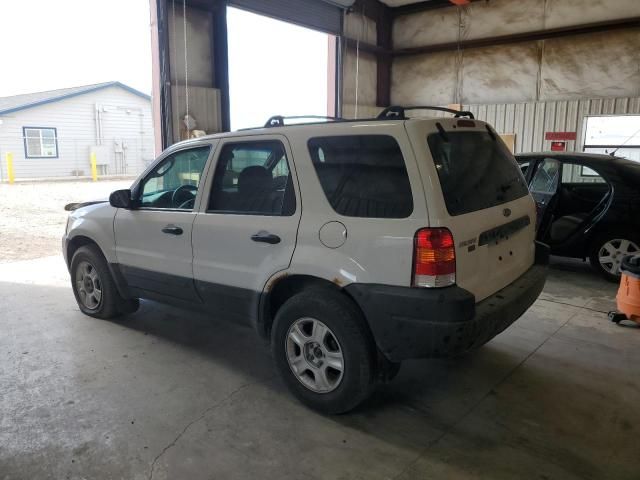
{"x": 278, "y": 120}
{"x": 398, "y": 112}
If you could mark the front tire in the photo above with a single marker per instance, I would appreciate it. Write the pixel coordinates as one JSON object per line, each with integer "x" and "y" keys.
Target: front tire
{"x": 93, "y": 286}
{"x": 324, "y": 351}
{"x": 608, "y": 250}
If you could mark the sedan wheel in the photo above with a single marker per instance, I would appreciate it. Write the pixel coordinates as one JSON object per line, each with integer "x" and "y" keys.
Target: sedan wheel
{"x": 610, "y": 254}
{"x": 88, "y": 285}
{"x": 314, "y": 355}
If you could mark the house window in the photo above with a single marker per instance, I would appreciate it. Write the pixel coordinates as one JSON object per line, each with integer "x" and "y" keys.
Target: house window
{"x": 40, "y": 142}
{"x": 617, "y": 135}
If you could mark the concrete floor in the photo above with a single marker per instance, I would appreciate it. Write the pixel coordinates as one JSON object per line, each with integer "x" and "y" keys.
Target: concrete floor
{"x": 175, "y": 395}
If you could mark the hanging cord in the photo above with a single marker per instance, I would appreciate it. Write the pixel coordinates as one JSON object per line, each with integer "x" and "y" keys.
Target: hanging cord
{"x": 175, "y": 56}
{"x": 186, "y": 64}
{"x": 459, "y": 61}
{"x": 360, "y": 35}
{"x": 357, "y": 75}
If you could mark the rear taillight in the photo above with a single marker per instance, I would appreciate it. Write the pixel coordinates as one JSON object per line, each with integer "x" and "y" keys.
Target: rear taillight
{"x": 434, "y": 258}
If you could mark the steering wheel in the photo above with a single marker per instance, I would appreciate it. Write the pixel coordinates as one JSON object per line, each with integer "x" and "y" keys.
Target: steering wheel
{"x": 183, "y": 194}
{"x": 188, "y": 204}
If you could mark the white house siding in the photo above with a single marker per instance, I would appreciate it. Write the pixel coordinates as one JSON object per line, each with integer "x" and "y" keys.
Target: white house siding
{"x": 127, "y": 135}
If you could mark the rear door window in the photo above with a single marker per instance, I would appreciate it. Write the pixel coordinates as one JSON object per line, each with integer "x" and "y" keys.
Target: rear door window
{"x": 476, "y": 171}
{"x": 253, "y": 178}
{"x": 363, "y": 175}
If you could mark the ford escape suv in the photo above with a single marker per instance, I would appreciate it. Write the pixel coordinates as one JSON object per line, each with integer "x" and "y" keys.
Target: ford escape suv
{"x": 349, "y": 245}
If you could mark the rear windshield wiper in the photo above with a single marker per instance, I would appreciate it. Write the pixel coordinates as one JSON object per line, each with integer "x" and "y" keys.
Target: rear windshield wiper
{"x": 442, "y": 133}
{"x": 491, "y": 134}
{"x": 508, "y": 184}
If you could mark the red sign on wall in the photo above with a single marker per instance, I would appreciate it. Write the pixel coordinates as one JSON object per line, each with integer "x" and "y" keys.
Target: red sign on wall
{"x": 558, "y": 146}
{"x": 560, "y": 136}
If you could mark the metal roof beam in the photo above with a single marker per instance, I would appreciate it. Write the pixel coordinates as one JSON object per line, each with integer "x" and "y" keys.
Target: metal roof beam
{"x": 523, "y": 37}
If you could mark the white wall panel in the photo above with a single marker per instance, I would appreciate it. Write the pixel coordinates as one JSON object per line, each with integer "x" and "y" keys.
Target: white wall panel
{"x": 425, "y": 80}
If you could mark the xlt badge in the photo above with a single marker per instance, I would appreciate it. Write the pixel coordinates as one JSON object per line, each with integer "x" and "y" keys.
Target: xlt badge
{"x": 471, "y": 244}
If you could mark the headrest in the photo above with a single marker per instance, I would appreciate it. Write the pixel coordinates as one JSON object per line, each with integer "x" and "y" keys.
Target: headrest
{"x": 253, "y": 179}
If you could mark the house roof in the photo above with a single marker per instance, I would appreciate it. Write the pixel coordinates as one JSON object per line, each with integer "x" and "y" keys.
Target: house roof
{"x": 29, "y": 100}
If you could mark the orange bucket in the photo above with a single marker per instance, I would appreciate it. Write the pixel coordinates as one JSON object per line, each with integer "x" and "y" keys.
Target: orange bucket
{"x": 628, "y": 297}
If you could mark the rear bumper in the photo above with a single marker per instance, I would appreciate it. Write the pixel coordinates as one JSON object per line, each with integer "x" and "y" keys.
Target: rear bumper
{"x": 421, "y": 323}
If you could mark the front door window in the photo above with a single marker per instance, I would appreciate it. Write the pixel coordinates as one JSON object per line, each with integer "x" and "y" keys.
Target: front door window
{"x": 174, "y": 183}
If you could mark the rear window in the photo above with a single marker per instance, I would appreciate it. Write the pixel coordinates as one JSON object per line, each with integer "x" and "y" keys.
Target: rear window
{"x": 363, "y": 175}
{"x": 476, "y": 171}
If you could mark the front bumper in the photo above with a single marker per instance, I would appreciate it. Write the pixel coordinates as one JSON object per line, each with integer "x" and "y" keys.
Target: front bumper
{"x": 65, "y": 249}
{"x": 421, "y": 323}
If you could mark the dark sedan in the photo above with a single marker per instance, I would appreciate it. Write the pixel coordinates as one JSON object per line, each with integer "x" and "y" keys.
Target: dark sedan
{"x": 588, "y": 206}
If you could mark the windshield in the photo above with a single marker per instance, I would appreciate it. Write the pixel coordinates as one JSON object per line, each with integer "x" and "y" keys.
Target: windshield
{"x": 476, "y": 171}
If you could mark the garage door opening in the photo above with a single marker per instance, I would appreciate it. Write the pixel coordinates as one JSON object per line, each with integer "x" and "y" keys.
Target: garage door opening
{"x": 277, "y": 68}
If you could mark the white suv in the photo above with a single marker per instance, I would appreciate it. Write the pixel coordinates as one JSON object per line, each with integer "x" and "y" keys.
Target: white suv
{"x": 351, "y": 245}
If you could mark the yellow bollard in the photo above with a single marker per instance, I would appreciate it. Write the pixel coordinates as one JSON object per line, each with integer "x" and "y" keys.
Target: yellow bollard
{"x": 10, "y": 173}
{"x": 94, "y": 167}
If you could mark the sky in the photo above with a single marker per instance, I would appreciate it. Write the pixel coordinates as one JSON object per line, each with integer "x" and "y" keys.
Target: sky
{"x": 277, "y": 69}
{"x": 605, "y": 130}
{"x": 46, "y": 44}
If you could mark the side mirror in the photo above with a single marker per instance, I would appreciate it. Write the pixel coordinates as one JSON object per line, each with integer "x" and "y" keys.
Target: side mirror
{"x": 121, "y": 199}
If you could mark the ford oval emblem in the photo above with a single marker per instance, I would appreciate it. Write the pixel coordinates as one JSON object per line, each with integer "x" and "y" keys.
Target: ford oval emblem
{"x": 506, "y": 212}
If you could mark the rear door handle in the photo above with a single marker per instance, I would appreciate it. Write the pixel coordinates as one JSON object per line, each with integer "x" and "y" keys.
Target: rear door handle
{"x": 265, "y": 237}
{"x": 172, "y": 230}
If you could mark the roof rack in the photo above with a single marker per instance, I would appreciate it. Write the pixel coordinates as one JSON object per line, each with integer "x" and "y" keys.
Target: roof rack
{"x": 397, "y": 112}
{"x": 278, "y": 120}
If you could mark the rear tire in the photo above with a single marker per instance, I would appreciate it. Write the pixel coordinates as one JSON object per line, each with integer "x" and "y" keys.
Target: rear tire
{"x": 608, "y": 250}
{"x": 324, "y": 351}
{"x": 94, "y": 288}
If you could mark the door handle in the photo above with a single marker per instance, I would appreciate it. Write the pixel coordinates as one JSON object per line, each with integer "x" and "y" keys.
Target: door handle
{"x": 265, "y": 237}
{"x": 172, "y": 230}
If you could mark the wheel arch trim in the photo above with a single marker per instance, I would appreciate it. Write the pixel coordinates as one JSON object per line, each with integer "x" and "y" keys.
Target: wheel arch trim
{"x": 74, "y": 243}
{"x": 279, "y": 288}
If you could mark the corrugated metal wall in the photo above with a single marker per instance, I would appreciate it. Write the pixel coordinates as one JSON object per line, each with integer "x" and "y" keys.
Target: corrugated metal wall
{"x": 530, "y": 121}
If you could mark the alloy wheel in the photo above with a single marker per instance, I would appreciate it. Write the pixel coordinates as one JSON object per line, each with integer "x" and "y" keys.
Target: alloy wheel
{"x": 612, "y": 252}
{"x": 314, "y": 355}
{"x": 88, "y": 285}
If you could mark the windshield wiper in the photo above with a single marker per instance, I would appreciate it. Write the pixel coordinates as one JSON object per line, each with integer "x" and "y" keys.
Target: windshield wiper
{"x": 442, "y": 133}
{"x": 491, "y": 134}
{"x": 508, "y": 184}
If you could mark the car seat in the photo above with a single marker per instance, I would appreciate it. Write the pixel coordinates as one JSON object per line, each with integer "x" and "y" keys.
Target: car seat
{"x": 564, "y": 226}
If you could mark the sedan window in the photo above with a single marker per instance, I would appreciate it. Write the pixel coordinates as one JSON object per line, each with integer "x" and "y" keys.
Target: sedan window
{"x": 546, "y": 178}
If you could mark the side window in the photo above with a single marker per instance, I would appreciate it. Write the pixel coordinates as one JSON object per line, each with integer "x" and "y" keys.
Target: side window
{"x": 363, "y": 175}
{"x": 253, "y": 178}
{"x": 174, "y": 182}
{"x": 546, "y": 178}
{"x": 573, "y": 173}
